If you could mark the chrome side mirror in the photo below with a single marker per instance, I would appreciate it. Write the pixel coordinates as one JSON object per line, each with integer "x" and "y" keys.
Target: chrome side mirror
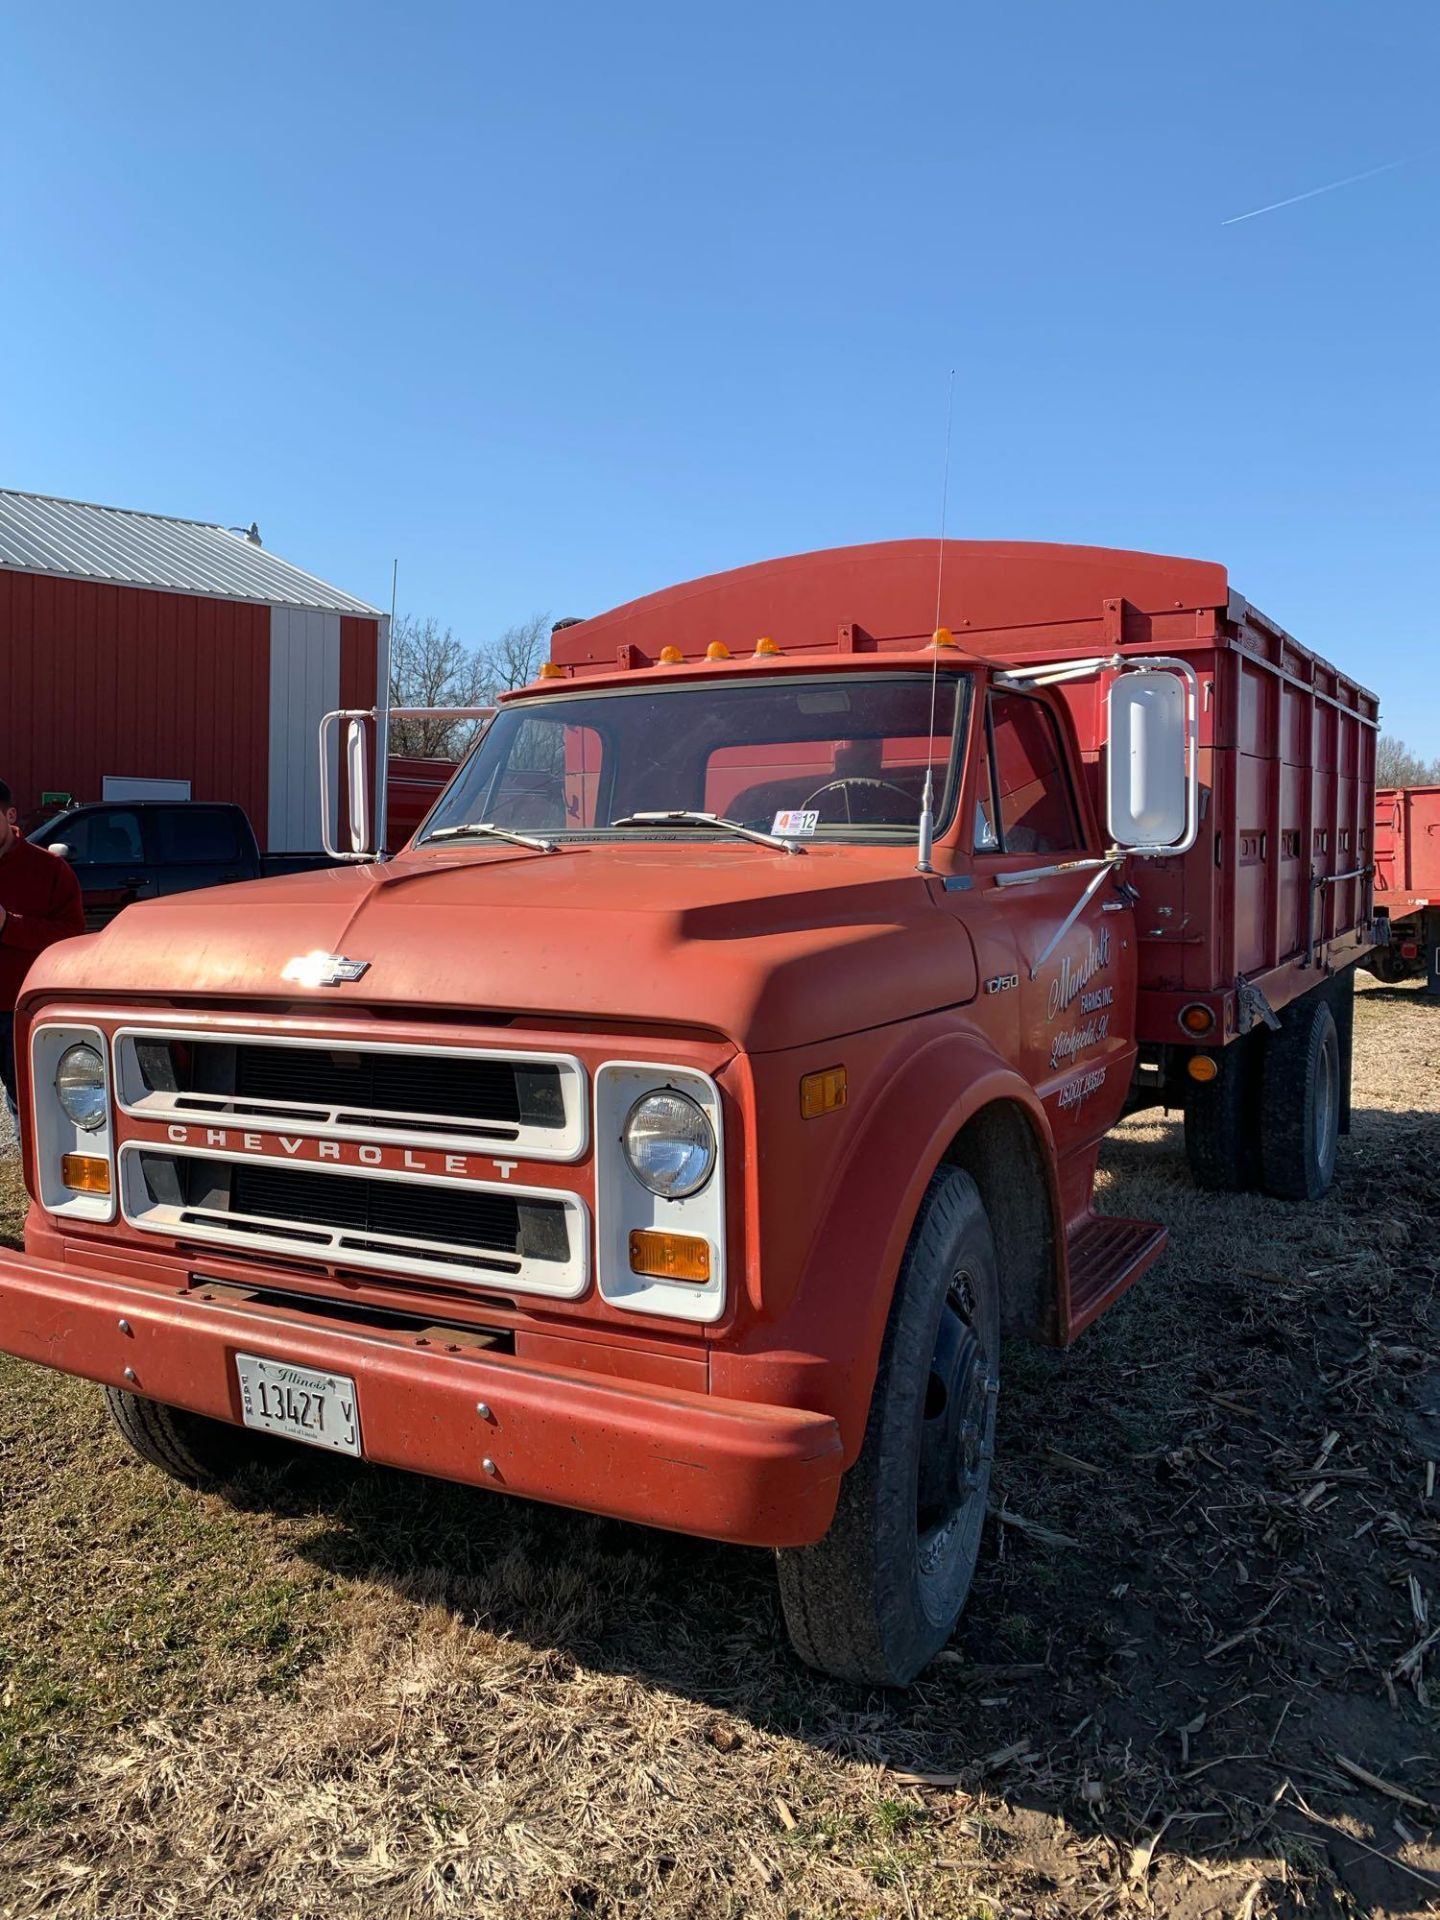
{"x": 1151, "y": 780}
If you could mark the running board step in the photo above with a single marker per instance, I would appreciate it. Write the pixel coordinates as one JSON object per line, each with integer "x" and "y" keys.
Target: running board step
{"x": 1106, "y": 1255}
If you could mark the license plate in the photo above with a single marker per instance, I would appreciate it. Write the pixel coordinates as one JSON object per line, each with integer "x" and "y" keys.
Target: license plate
{"x": 318, "y": 1408}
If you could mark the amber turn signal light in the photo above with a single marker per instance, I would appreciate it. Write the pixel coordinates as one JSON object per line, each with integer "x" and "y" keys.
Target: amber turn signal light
{"x": 823, "y": 1092}
{"x": 85, "y": 1173}
{"x": 669, "y": 1256}
{"x": 1197, "y": 1019}
{"x": 1202, "y": 1067}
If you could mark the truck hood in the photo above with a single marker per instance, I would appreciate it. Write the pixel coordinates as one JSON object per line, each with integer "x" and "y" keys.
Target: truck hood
{"x": 772, "y": 950}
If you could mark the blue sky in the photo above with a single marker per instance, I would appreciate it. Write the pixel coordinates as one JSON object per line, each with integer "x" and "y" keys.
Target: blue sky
{"x": 562, "y": 304}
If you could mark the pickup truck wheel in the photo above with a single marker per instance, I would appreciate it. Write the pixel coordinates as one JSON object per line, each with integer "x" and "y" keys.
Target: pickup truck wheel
{"x": 1300, "y": 1102}
{"x": 878, "y": 1597}
{"x": 1222, "y": 1132}
{"x": 188, "y": 1446}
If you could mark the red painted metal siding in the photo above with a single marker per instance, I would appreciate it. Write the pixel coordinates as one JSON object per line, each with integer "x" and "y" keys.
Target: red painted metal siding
{"x": 359, "y": 661}
{"x": 103, "y": 679}
{"x": 359, "y": 682}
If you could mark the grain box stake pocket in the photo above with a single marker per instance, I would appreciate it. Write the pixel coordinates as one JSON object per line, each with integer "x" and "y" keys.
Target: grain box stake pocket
{"x": 298, "y": 1403}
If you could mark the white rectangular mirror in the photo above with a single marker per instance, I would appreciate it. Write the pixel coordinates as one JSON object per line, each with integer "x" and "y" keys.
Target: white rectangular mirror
{"x": 1148, "y": 761}
{"x": 358, "y": 782}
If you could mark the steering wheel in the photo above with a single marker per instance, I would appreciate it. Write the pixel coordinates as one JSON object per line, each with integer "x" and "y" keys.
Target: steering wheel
{"x": 848, "y": 780}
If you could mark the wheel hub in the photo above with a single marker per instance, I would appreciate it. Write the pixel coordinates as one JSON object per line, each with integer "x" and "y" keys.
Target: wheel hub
{"x": 956, "y": 1441}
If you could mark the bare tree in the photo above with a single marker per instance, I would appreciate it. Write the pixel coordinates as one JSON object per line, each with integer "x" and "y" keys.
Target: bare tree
{"x": 517, "y": 656}
{"x": 430, "y": 666}
{"x": 1397, "y": 766}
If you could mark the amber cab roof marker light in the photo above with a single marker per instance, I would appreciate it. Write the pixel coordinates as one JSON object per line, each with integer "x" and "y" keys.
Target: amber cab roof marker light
{"x": 717, "y": 650}
{"x": 942, "y": 637}
{"x": 766, "y": 648}
{"x": 670, "y": 657}
{"x": 551, "y": 671}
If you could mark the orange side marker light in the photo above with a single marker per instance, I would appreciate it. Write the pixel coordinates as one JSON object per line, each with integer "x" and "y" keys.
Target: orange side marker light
{"x": 85, "y": 1173}
{"x": 823, "y": 1092}
{"x": 670, "y": 1256}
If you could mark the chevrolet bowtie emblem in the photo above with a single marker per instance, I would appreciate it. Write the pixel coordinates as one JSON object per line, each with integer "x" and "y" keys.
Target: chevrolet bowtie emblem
{"x": 319, "y": 969}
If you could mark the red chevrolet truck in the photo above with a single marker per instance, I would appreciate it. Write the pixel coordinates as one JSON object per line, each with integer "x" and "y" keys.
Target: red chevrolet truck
{"x": 677, "y": 1126}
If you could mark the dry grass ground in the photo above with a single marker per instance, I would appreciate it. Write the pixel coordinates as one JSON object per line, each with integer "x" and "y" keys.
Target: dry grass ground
{"x": 351, "y": 1692}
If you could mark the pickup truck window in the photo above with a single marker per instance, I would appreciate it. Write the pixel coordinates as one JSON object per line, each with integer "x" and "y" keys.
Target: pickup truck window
{"x": 102, "y": 836}
{"x": 1027, "y": 770}
{"x": 851, "y": 748}
{"x": 195, "y": 836}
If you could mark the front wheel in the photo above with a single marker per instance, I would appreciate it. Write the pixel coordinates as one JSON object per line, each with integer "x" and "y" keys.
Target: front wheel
{"x": 878, "y": 1597}
{"x": 191, "y": 1448}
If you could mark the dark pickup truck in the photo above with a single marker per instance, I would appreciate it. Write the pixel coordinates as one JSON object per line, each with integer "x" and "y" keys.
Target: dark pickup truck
{"x": 127, "y": 850}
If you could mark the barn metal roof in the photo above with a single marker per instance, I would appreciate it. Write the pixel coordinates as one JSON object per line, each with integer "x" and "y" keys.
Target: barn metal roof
{"x": 83, "y": 542}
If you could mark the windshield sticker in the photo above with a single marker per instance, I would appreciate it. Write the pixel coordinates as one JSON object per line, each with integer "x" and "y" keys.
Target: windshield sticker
{"x": 799, "y": 820}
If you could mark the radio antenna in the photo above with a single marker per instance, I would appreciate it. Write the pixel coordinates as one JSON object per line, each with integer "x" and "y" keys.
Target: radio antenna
{"x": 923, "y": 862}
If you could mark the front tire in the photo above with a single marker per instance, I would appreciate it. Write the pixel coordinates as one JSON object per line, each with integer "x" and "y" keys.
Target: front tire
{"x": 191, "y": 1448}
{"x": 878, "y": 1597}
{"x": 1301, "y": 1100}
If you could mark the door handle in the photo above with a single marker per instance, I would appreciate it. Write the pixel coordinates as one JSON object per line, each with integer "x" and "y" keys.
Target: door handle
{"x": 1114, "y": 906}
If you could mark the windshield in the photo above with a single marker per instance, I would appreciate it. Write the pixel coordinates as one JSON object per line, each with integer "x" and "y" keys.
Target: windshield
{"x": 839, "y": 757}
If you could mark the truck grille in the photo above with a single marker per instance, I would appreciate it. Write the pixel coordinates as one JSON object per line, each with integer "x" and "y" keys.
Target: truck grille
{"x": 442, "y": 1096}
{"x": 539, "y": 1242}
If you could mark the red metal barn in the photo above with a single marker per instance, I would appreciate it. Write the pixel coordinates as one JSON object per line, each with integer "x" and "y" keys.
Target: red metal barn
{"x": 142, "y": 656}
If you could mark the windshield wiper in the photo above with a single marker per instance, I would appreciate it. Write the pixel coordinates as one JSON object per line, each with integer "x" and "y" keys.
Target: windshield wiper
{"x": 687, "y": 817}
{"x": 496, "y": 833}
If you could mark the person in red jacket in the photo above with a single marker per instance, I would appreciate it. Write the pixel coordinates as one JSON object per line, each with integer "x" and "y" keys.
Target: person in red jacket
{"x": 39, "y": 904}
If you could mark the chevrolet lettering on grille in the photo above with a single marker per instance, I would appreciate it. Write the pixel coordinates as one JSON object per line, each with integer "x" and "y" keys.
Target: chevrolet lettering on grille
{"x": 345, "y": 1153}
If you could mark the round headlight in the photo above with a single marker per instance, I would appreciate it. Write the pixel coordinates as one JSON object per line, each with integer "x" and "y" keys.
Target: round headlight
{"x": 670, "y": 1144}
{"x": 80, "y": 1087}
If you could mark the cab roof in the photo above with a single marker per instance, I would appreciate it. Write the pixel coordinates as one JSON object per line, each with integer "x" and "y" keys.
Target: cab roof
{"x": 1001, "y": 599}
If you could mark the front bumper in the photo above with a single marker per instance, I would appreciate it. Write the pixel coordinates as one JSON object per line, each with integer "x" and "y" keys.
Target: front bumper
{"x": 722, "y": 1469}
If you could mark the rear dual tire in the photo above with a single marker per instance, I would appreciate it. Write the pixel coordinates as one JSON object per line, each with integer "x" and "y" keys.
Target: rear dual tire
{"x": 1271, "y": 1119}
{"x": 1301, "y": 1100}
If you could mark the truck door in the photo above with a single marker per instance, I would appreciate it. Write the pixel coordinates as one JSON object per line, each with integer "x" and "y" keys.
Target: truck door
{"x": 1077, "y": 1043}
{"x": 106, "y": 847}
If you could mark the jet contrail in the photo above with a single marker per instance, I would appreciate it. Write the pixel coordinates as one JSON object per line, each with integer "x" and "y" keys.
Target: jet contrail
{"x": 1295, "y": 198}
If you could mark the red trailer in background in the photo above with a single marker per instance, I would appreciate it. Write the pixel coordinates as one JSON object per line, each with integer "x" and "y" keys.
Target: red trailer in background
{"x": 1407, "y": 884}
{"x": 413, "y": 788}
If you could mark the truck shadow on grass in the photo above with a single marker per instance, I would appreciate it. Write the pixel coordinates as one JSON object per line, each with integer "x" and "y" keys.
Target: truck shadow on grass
{"x": 1214, "y": 1629}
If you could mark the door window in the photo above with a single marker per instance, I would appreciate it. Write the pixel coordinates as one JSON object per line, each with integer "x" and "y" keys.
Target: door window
{"x": 104, "y": 837}
{"x": 1033, "y": 801}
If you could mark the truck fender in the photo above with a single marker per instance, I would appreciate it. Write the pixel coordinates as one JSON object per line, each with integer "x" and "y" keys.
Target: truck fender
{"x": 829, "y": 1349}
